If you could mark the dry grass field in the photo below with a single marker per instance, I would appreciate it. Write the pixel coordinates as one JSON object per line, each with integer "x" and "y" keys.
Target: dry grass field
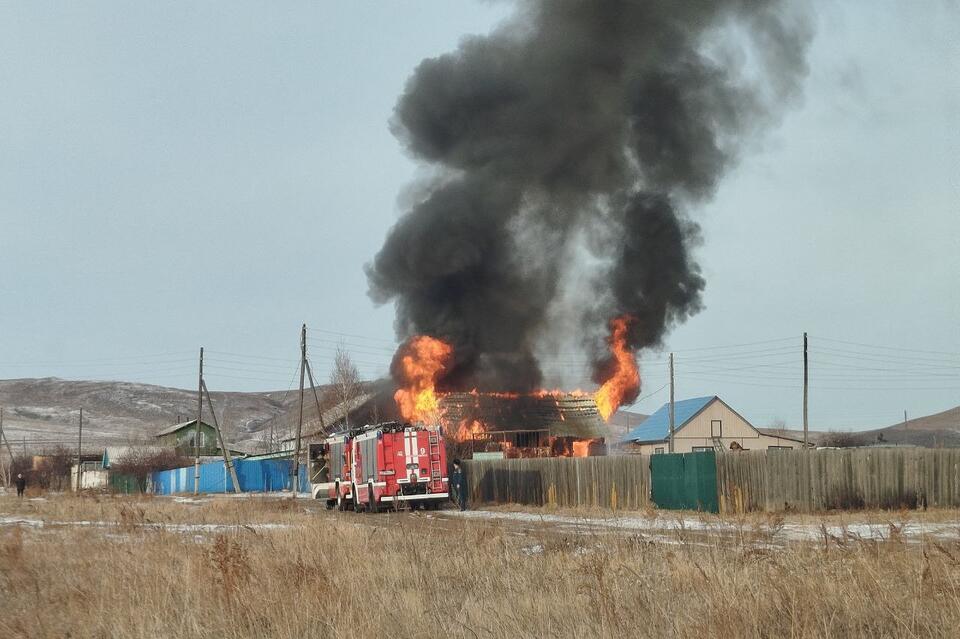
{"x": 152, "y": 567}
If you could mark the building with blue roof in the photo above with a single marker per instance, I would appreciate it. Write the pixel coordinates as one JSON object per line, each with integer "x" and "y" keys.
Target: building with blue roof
{"x": 700, "y": 423}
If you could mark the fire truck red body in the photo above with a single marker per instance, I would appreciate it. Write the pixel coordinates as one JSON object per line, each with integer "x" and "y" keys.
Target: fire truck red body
{"x": 385, "y": 465}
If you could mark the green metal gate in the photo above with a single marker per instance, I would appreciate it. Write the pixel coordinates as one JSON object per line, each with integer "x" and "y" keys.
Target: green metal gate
{"x": 685, "y": 481}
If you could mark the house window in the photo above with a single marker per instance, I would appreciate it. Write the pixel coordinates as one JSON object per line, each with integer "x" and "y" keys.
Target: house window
{"x": 658, "y": 451}
{"x": 779, "y": 447}
{"x": 196, "y": 440}
{"x": 716, "y": 428}
{"x": 702, "y": 449}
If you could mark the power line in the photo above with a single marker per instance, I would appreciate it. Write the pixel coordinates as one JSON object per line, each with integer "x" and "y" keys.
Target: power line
{"x": 729, "y": 346}
{"x": 891, "y": 348}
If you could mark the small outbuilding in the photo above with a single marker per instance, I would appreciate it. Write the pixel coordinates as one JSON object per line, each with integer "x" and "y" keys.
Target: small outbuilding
{"x": 701, "y": 423}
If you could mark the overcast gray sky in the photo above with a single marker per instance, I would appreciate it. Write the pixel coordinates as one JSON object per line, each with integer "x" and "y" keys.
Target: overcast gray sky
{"x": 182, "y": 174}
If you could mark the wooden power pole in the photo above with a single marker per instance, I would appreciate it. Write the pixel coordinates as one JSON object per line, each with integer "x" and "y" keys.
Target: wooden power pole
{"x": 295, "y": 480}
{"x": 223, "y": 445}
{"x": 196, "y": 434}
{"x": 80, "y": 453}
{"x": 316, "y": 398}
{"x": 672, "y": 414}
{"x": 7, "y": 470}
{"x": 806, "y": 434}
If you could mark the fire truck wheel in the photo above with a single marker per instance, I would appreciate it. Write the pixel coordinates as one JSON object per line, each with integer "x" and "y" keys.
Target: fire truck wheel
{"x": 372, "y": 505}
{"x": 341, "y": 502}
{"x": 357, "y": 506}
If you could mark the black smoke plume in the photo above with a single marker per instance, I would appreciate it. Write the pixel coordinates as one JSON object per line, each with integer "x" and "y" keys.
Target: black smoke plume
{"x": 599, "y": 122}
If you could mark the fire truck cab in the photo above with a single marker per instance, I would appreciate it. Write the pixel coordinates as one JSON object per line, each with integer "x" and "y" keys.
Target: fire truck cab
{"x": 382, "y": 465}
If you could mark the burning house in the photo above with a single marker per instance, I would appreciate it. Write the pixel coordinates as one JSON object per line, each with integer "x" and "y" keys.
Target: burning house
{"x": 535, "y": 425}
{"x": 567, "y": 148}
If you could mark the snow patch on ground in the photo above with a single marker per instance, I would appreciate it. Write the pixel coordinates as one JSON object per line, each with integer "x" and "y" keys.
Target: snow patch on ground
{"x": 169, "y": 527}
{"x": 790, "y": 532}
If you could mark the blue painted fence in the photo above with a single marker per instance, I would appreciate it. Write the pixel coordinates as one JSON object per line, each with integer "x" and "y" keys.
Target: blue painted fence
{"x": 254, "y": 475}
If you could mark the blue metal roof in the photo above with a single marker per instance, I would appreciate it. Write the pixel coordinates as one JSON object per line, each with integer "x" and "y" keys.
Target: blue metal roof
{"x": 657, "y": 427}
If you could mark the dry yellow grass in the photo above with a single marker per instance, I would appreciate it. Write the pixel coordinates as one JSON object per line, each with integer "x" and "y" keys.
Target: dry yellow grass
{"x": 345, "y": 575}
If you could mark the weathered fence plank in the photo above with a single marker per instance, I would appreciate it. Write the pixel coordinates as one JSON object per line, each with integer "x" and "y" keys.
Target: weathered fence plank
{"x": 774, "y": 480}
{"x": 839, "y": 479}
{"x": 617, "y": 482}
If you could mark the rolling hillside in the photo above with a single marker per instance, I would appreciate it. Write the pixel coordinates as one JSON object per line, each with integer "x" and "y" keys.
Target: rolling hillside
{"x": 48, "y": 409}
{"x": 46, "y": 412}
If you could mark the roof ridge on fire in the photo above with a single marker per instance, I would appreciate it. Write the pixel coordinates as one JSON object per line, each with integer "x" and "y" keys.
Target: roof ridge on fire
{"x": 656, "y": 428}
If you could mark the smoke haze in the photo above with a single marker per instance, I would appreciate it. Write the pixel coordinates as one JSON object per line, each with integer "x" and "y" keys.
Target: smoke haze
{"x": 599, "y": 123}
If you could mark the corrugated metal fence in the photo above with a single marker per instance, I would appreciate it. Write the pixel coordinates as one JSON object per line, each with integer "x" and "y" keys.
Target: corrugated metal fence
{"x": 847, "y": 479}
{"x": 773, "y": 480}
{"x": 685, "y": 481}
{"x": 254, "y": 475}
{"x": 606, "y": 482}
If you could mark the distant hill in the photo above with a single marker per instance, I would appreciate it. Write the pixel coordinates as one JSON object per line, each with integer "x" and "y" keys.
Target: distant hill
{"x": 47, "y": 409}
{"x": 939, "y": 429}
{"x": 933, "y": 431}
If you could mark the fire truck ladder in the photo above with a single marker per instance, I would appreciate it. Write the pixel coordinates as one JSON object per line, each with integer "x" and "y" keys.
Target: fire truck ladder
{"x": 436, "y": 471}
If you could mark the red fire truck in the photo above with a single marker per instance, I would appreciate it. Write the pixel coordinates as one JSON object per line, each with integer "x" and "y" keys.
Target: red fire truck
{"x": 381, "y": 465}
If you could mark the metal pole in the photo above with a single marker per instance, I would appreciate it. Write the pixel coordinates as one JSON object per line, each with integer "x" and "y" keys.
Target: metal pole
{"x": 672, "y": 414}
{"x": 196, "y": 434}
{"x": 295, "y": 480}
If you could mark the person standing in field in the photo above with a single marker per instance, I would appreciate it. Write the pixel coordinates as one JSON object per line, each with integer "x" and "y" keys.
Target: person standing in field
{"x": 459, "y": 484}
{"x": 21, "y": 485}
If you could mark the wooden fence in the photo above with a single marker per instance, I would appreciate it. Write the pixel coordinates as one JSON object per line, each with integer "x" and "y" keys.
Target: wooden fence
{"x": 847, "y": 479}
{"x": 607, "y": 482}
{"x": 773, "y": 480}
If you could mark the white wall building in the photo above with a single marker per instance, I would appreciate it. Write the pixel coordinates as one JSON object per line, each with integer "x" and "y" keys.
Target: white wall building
{"x": 701, "y": 423}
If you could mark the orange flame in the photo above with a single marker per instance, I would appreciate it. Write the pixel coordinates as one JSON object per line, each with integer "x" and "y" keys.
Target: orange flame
{"x": 581, "y": 447}
{"x": 468, "y": 431}
{"x": 623, "y": 382}
{"x": 418, "y": 364}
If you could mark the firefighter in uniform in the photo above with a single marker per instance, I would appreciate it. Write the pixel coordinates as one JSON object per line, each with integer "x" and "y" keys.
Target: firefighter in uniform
{"x": 458, "y": 482}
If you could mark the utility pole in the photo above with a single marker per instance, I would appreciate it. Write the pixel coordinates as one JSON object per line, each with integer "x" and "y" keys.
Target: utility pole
{"x": 79, "y": 453}
{"x": 316, "y": 398}
{"x": 806, "y": 435}
{"x": 672, "y": 414}
{"x": 295, "y": 480}
{"x": 904, "y": 419}
{"x": 196, "y": 434}
{"x": 6, "y": 470}
{"x": 223, "y": 446}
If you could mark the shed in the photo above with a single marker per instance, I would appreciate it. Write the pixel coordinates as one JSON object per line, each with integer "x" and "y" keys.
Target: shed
{"x": 114, "y": 454}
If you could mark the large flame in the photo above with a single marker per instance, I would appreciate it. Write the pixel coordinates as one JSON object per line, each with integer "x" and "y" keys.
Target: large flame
{"x": 468, "y": 430}
{"x": 418, "y": 364}
{"x": 623, "y": 380}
